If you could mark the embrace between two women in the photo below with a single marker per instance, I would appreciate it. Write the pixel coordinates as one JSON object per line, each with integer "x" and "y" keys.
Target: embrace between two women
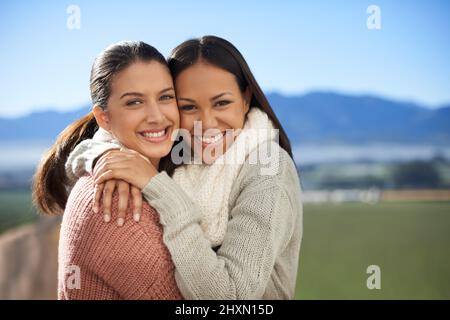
{"x": 210, "y": 230}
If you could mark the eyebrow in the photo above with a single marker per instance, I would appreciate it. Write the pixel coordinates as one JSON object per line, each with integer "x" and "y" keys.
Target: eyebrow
{"x": 167, "y": 89}
{"x": 131, "y": 94}
{"x": 139, "y": 94}
{"x": 211, "y": 99}
{"x": 219, "y": 95}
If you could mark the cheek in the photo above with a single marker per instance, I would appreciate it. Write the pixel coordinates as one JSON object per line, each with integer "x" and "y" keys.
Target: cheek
{"x": 236, "y": 118}
{"x": 124, "y": 123}
{"x": 173, "y": 115}
{"x": 186, "y": 122}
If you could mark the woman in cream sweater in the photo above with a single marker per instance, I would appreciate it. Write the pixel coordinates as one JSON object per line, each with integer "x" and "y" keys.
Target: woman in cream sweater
{"x": 233, "y": 220}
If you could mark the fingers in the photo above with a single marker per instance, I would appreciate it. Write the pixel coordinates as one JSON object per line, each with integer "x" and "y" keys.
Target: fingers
{"x": 98, "y": 190}
{"x": 111, "y": 156}
{"x": 105, "y": 191}
{"x": 108, "y": 164}
{"x": 137, "y": 203}
{"x": 114, "y": 153}
{"x": 99, "y": 157}
{"x": 106, "y": 176}
{"x": 124, "y": 193}
{"x": 107, "y": 155}
{"x": 107, "y": 198}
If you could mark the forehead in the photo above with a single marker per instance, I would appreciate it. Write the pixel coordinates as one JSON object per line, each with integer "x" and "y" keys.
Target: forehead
{"x": 142, "y": 77}
{"x": 204, "y": 79}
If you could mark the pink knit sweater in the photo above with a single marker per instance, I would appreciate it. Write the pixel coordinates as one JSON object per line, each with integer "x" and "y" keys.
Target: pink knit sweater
{"x": 99, "y": 260}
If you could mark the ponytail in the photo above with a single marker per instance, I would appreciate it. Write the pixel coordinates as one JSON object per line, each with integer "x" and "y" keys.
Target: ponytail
{"x": 50, "y": 180}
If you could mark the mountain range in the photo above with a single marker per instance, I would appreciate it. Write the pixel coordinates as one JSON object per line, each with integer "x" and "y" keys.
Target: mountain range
{"x": 313, "y": 118}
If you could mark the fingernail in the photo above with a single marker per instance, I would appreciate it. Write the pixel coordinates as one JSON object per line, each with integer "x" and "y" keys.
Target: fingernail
{"x": 95, "y": 209}
{"x": 120, "y": 222}
{"x": 136, "y": 216}
{"x": 107, "y": 218}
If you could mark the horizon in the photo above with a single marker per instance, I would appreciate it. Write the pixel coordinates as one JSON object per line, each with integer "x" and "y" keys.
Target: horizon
{"x": 288, "y": 95}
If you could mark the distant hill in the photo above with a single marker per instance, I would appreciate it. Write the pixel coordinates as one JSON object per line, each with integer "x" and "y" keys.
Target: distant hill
{"x": 334, "y": 118}
{"x": 38, "y": 125}
{"x": 320, "y": 117}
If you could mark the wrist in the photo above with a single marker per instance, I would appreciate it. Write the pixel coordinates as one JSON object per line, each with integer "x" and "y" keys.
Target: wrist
{"x": 94, "y": 162}
{"x": 146, "y": 180}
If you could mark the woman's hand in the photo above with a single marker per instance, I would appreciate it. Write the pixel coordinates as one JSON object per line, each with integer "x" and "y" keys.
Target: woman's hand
{"x": 117, "y": 163}
{"x": 106, "y": 190}
{"x": 127, "y": 165}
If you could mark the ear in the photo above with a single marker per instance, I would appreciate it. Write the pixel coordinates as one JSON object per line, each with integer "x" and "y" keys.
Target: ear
{"x": 102, "y": 118}
{"x": 247, "y": 99}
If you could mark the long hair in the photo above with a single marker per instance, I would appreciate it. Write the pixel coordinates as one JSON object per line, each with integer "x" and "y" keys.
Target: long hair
{"x": 49, "y": 183}
{"x": 221, "y": 53}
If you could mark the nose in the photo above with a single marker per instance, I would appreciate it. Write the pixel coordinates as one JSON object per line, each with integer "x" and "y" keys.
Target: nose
{"x": 209, "y": 120}
{"x": 154, "y": 113}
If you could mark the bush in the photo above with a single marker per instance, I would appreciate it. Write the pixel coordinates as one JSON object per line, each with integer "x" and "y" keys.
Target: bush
{"x": 416, "y": 174}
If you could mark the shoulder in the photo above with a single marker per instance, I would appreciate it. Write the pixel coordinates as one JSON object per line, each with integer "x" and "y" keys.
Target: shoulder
{"x": 269, "y": 191}
{"x": 269, "y": 165}
{"x": 79, "y": 202}
{"x": 88, "y": 226}
{"x": 272, "y": 181}
{"x": 130, "y": 259}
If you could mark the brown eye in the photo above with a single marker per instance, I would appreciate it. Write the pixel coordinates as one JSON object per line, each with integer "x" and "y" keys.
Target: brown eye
{"x": 133, "y": 102}
{"x": 166, "y": 97}
{"x": 222, "y": 103}
{"x": 187, "y": 107}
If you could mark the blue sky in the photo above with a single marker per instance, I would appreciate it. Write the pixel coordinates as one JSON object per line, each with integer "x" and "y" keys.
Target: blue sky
{"x": 292, "y": 46}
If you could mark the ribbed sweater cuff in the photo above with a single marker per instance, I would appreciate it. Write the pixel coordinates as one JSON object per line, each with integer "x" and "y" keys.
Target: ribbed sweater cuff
{"x": 170, "y": 200}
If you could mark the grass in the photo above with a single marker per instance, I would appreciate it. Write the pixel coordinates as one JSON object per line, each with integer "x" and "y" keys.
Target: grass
{"x": 16, "y": 209}
{"x": 409, "y": 242}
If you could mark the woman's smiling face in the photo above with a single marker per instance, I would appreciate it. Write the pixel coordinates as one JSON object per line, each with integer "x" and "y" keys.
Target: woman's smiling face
{"x": 211, "y": 95}
{"x": 142, "y": 111}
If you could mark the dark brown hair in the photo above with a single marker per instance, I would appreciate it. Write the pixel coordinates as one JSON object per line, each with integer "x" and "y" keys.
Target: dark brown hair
{"x": 49, "y": 184}
{"x": 221, "y": 53}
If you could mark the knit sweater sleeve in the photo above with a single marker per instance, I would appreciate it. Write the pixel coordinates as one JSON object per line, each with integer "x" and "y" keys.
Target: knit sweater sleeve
{"x": 260, "y": 226}
{"x": 81, "y": 159}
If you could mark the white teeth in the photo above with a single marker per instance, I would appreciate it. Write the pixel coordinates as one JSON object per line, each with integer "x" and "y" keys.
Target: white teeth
{"x": 154, "y": 134}
{"x": 210, "y": 140}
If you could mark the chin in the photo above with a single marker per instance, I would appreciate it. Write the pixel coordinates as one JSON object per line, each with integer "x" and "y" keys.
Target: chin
{"x": 156, "y": 153}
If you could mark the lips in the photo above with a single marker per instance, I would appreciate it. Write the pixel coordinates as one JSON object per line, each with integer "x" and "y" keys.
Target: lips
{"x": 210, "y": 140}
{"x": 155, "y": 135}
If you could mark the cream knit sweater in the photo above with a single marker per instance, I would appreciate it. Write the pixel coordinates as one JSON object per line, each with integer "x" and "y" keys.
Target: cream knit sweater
{"x": 259, "y": 256}
{"x": 210, "y": 185}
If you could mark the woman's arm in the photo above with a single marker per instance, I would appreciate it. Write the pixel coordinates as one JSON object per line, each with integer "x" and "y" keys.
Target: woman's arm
{"x": 81, "y": 159}
{"x": 262, "y": 221}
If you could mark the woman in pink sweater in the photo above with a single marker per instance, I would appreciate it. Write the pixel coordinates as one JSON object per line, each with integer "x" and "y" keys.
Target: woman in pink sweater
{"x": 134, "y": 99}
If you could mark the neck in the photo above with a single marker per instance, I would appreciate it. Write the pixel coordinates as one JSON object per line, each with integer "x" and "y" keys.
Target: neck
{"x": 155, "y": 162}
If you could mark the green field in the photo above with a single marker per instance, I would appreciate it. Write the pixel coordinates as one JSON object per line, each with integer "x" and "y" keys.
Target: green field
{"x": 15, "y": 209}
{"x": 410, "y": 242}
